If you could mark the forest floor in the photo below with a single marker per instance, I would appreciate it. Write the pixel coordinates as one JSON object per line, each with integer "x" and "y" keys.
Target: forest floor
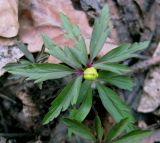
{"x": 23, "y": 104}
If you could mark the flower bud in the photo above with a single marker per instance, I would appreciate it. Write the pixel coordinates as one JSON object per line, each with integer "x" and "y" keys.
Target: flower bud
{"x": 90, "y": 74}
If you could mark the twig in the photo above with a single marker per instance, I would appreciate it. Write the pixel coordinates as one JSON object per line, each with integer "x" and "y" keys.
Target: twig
{"x": 11, "y": 135}
{"x": 142, "y": 66}
{"x": 3, "y": 121}
{"x": 7, "y": 98}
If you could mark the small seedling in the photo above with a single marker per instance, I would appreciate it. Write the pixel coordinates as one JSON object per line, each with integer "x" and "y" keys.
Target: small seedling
{"x": 116, "y": 134}
{"x": 86, "y": 71}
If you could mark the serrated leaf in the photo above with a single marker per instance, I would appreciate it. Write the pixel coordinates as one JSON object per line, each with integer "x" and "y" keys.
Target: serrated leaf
{"x": 73, "y": 32}
{"x": 55, "y": 50}
{"x": 21, "y": 64}
{"x": 76, "y": 30}
{"x": 59, "y": 53}
{"x": 100, "y": 32}
{"x": 72, "y": 57}
{"x": 99, "y": 128}
{"x": 116, "y": 68}
{"x": 117, "y": 129}
{"x": 81, "y": 113}
{"x": 79, "y": 129}
{"x": 68, "y": 27}
{"x": 113, "y": 104}
{"x": 76, "y": 89}
{"x": 61, "y": 103}
{"x": 24, "y": 49}
{"x": 39, "y": 72}
{"x": 134, "y": 136}
{"x": 80, "y": 51}
{"x": 119, "y": 81}
{"x": 123, "y": 52}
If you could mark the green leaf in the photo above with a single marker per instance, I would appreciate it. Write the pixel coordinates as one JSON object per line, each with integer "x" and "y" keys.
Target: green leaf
{"x": 113, "y": 104}
{"x": 116, "y": 68}
{"x": 100, "y": 32}
{"x": 81, "y": 113}
{"x": 73, "y": 32}
{"x": 61, "y": 103}
{"x": 83, "y": 91}
{"x": 72, "y": 57}
{"x": 21, "y": 64}
{"x": 119, "y": 81}
{"x": 79, "y": 129}
{"x": 24, "y": 49}
{"x": 117, "y": 129}
{"x": 134, "y": 136}
{"x": 80, "y": 51}
{"x": 76, "y": 31}
{"x": 123, "y": 52}
{"x": 39, "y": 72}
{"x": 76, "y": 89}
{"x": 70, "y": 33}
{"x": 40, "y": 84}
{"x": 59, "y": 53}
{"x": 99, "y": 128}
{"x": 54, "y": 49}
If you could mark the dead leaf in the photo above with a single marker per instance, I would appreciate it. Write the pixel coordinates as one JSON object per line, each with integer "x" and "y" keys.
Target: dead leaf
{"x": 8, "y": 55}
{"x": 7, "y": 41}
{"x": 4, "y": 140}
{"x": 155, "y": 137}
{"x": 150, "y": 99}
{"x": 91, "y": 4}
{"x": 29, "y": 108}
{"x": 9, "y": 18}
{"x": 38, "y": 16}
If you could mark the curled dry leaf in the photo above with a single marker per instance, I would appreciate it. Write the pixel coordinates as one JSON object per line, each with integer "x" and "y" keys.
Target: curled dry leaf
{"x": 39, "y": 16}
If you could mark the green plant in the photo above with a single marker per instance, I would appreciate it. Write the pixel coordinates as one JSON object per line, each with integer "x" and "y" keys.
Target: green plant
{"x": 116, "y": 134}
{"x": 88, "y": 74}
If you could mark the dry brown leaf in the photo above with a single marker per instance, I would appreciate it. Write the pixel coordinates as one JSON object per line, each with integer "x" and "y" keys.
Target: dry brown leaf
{"x": 150, "y": 99}
{"x": 8, "y": 41}
{"x": 29, "y": 108}
{"x": 8, "y": 55}
{"x": 9, "y": 18}
{"x": 39, "y": 16}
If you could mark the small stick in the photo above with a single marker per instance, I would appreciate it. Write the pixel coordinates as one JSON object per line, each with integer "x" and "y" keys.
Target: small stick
{"x": 144, "y": 65}
{"x": 11, "y": 135}
{"x": 7, "y": 98}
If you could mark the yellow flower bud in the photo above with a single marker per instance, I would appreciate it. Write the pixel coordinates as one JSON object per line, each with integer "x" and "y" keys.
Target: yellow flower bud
{"x": 90, "y": 74}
